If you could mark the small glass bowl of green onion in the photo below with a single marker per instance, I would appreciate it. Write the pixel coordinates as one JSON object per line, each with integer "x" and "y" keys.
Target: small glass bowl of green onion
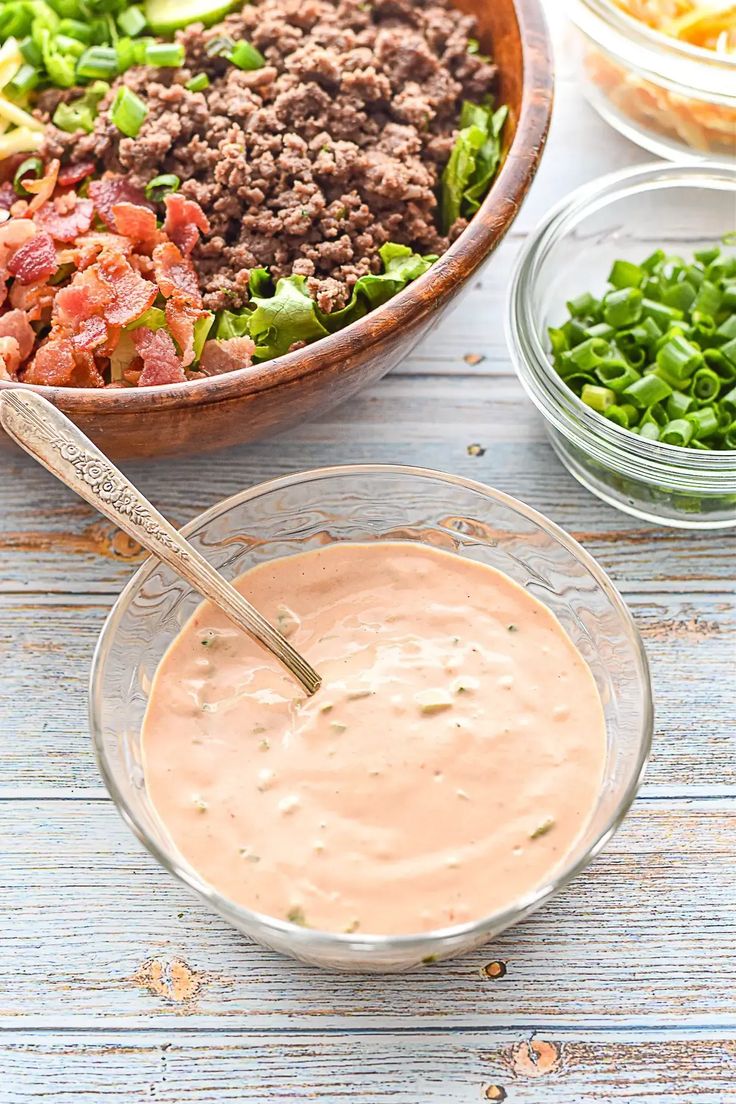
{"x": 622, "y": 327}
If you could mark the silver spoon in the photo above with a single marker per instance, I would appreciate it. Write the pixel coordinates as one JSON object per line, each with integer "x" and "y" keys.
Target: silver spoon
{"x": 56, "y": 443}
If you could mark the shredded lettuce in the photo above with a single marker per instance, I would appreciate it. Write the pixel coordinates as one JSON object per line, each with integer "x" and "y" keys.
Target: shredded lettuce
{"x": 473, "y": 162}
{"x": 278, "y": 317}
{"x": 400, "y": 267}
{"x": 289, "y": 315}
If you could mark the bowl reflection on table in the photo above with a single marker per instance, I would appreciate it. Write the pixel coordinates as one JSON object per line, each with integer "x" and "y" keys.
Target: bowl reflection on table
{"x": 373, "y": 503}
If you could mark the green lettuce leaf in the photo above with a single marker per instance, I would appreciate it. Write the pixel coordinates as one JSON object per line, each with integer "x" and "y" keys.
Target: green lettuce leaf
{"x": 473, "y": 162}
{"x": 276, "y": 318}
{"x": 289, "y": 315}
{"x": 400, "y": 267}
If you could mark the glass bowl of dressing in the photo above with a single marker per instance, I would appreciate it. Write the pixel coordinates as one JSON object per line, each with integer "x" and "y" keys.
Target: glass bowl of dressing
{"x": 379, "y": 507}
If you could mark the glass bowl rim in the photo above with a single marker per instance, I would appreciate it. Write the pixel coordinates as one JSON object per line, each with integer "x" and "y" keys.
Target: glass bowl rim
{"x": 601, "y": 437}
{"x": 307, "y": 938}
{"x": 652, "y": 42}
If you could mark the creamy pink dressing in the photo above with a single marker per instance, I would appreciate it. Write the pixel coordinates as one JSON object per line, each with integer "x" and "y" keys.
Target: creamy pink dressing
{"x": 446, "y": 766}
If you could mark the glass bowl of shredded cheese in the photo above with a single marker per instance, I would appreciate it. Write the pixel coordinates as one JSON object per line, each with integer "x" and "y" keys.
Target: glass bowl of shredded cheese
{"x": 662, "y": 72}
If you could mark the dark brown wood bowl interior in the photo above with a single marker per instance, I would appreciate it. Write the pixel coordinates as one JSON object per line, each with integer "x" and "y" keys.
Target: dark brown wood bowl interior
{"x": 214, "y": 413}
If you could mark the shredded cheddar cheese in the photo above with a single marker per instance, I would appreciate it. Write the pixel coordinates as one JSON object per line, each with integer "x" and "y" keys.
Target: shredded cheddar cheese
{"x": 710, "y": 25}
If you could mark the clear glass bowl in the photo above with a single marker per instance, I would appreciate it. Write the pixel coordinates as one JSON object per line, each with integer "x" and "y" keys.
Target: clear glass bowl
{"x": 625, "y": 215}
{"x": 677, "y": 100}
{"x": 370, "y": 503}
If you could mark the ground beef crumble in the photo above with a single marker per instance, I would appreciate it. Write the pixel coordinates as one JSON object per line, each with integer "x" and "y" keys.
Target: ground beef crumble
{"x": 309, "y": 164}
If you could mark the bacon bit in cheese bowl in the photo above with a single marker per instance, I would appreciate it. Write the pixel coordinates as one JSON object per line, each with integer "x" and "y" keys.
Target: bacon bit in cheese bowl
{"x": 663, "y": 72}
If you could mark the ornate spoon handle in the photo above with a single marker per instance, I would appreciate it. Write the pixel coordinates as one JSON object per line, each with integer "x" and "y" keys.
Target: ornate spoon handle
{"x": 56, "y": 443}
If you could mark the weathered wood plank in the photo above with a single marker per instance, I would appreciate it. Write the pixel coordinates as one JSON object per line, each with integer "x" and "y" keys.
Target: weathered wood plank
{"x": 49, "y": 540}
{"x": 496, "y": 1065}
{"x": 96, "y": 936}
{"x": 46, "y": 646}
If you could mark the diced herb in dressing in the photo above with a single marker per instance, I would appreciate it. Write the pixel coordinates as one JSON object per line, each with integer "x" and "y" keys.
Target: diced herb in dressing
{"x": 542, "y": 829}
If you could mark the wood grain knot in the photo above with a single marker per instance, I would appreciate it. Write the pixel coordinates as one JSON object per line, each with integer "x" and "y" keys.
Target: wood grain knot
{"x": 495, "y": 1092}
{"x": 172, "y": 979}
{"x": 535, "y": 1058}
{"x": 493, "y": 971}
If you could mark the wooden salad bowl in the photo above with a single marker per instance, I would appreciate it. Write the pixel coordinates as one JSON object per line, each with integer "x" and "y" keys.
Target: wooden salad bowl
{"x": 213, "y": 413}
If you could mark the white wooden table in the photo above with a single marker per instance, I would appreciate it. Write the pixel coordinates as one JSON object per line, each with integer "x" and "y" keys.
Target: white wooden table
{"x": 116, "y": 987}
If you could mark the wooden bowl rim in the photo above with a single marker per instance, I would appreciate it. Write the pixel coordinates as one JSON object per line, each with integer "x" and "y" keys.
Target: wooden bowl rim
{"x": 410, "y": 305}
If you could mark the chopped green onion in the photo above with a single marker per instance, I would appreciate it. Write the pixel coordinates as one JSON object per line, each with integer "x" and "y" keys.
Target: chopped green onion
{"x": 75, "y": 28}
{"x": 168, "y": 55}
{"x": 31, "y": 53}
{"x": 25, "y": 80}
{"x": 616, "y": 374}
{"x": 704, "y": 421}
{"x": 678, "y": 404}
{"x": 705, "y": 385}
{"x": 128, "y": 111}
{"x": 677, "y": 432}
{"x": 660, "y": 313}
{"x": 582, "y": 307}
{"x": 220, "y": 46}
{"x": 679, "y": 357}
{"x": 80, "y": 114}
{"x": 163, "y": 185}
{"x": 98, "y": 63}
{"x": 198, "y": 83}
{"x": 681, "y": 296}
{"x": 246, "y": 56}
{"x": 729, "y": 351}
{"x": 656, "y": 353}
{"x": 590, "y": 353}
{"x": 132, "y": 21}
{"x": 598, "y": 398}
{"x": 31, "y": 167}
{"x": 618, "y": 414}
{"x": 69, "y": 46}
{"x": 622, "y": 307}
{"x": 647, "y": 391}
{"x": 624, "y": 274}
{"x": 728, "y": 402}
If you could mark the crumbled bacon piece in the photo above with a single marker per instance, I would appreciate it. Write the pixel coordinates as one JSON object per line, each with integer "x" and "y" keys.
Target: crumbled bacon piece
{"x": 72, "y": 174}
{"x": 58, "y": 364}
{"x": 10, "y": 358}
{"x": 35, "y": 300}
{"x": 181, "y": 317}
{"x": 111, "y": 190}
{"x": 7, "y": 195}
{"x": 136, "y": 222}
{"x": 227, "y": 356}
{"x": 43, "y": 188}
{"x": 53, "y": 364}
{"x": 184, "y": 220}
{"x": 130, "y": 294}
{"x": 87, "y": 248}
{"x": 66, "y": 217}
{"x": 83, "y": 298}
{"x": 36, "y": 260}
{"x": 15, "y": 324}
{"x": 175, "y": 273}
{"x": 91, "y": 333}
{"x": 160, "y": 363}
